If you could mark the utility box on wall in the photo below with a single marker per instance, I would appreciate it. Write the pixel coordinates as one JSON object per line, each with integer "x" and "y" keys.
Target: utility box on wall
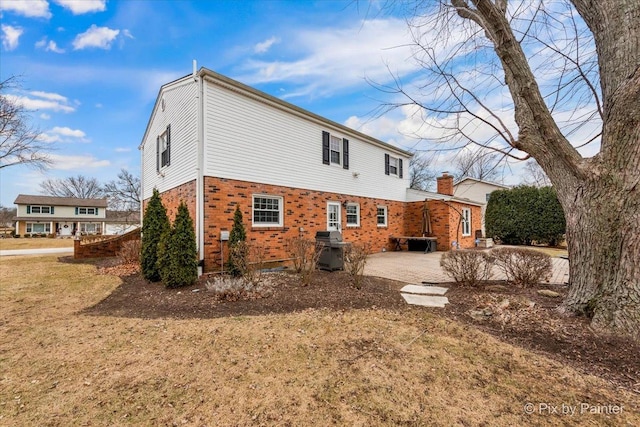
{"x": 224, "y": 236}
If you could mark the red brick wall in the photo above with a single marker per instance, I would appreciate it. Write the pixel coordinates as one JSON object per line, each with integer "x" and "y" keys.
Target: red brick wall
{"x": 302, "y": 208}
{"x": 445, "y": 223}
{"x": 104, "y": 248}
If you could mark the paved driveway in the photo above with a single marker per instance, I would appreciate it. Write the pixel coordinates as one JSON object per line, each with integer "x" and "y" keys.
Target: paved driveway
{"x": 418, "y": 267}
{"x": 8, "y": 252}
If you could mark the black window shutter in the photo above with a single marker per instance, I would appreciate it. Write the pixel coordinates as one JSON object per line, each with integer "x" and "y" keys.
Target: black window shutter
{"x": 51, "y": 210}
{"x": 28, "y": 209}
{"x": 386, "y": 164}
{"x": 96, "y": 211}
{"x": 157, "y": 155}
{"x": 345, "y": 153}
{"x": 76, "y": 210}
{"x": 325, "y": 147}
{"x": 168, "y": 145}
{"x": 400, "y": 168}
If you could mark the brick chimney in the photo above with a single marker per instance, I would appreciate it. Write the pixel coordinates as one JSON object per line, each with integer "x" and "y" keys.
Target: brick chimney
{"x": 445, "y": 184}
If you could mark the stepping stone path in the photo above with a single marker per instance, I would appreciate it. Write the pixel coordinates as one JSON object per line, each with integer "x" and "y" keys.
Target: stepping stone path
{"x": 426, "y": 296}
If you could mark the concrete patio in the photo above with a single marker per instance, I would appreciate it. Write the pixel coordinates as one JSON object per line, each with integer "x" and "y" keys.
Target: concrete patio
{"x": 418, "y": 267}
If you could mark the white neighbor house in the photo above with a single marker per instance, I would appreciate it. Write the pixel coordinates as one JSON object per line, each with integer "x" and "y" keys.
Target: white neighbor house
{"x": 478, "y": 191}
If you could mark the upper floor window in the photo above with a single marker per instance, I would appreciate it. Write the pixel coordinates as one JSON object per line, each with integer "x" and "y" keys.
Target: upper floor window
{"x": 267, "y": 211}
{"x": 40, "y": 209}
{"x": 392, "y": 166}
{"x": 335, "y": 150}
{"x": 466, "y": 222}
{"x": 163, "y": 149}
{"x": 86, "y": 211}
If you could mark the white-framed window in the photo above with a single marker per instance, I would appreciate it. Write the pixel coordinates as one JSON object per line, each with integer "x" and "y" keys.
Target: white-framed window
{"x": 41, "y": 227}
{"x": 40, "y": 209}
{"x": 90, "y": 227}
{"x": 353, "y": 215}
{"x": 466, "y": 222}
{"x": 393, "y": 165}
{"x": 381, "y": 216}
{"x": 334, "y": 149}
{"x": 267, "y": 211}
{"x": 163, "y": 149}
{"x": 86, "y": 211}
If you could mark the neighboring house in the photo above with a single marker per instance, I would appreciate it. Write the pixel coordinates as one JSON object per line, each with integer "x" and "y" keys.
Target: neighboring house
{"x": 62, "y": 216}
{"x": 120, "y": 222}
{"x": 477, "y": 190}
{"x": 216, "y": 144}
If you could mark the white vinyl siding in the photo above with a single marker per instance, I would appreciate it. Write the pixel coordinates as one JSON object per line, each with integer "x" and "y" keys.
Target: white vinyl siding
{"x": 248, "y": 140}
{"x": 466, "y": 222}
{"x": 267, "y": 211}
{"x": 180, "y": 101}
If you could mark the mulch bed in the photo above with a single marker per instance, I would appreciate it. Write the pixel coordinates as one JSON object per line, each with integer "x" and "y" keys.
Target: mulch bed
{"x": 515, "y": 315}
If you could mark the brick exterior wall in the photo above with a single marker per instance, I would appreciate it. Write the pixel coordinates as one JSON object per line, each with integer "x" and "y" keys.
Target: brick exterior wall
{"x": 307, "y": 210}
{"x": 104, "y": 248}
{"x": 303, "y": 209}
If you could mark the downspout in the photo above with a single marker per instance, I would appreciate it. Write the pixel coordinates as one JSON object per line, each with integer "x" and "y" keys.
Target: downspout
{"x": 200, "y": 170}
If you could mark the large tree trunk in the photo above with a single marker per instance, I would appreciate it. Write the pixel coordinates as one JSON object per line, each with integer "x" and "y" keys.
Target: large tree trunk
{"x": 603, "y": 234}
{"x": 601, "y": 195}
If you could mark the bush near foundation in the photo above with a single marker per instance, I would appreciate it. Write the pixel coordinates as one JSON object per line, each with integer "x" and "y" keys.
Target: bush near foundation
{"x": 469, "y": 268}
{"x": 178, "y": 255}
{"x": 154, "y": 224}
{"x": 523, "y": 267}
{"x": 238, "y": 250}
{"x": 355, "y": 258}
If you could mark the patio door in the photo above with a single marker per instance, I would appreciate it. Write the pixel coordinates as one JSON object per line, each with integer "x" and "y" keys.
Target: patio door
{"x": 333, "y": 216}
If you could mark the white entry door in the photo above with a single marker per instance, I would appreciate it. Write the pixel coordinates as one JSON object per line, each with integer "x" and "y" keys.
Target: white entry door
{"x": 333, "y": 216}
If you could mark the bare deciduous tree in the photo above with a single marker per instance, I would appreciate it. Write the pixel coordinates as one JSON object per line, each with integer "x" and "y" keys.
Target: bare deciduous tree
{"x": 79, "y": 186}
{"x": 421, "y": 174}
{"x": 534, "y": 175}
{"x": 6, "y": 216}
{"x": 20, "y": 143}
{"x": 124, "y": 193}
{"x": 479, "y": 165}
{"x": 544, "y": 79}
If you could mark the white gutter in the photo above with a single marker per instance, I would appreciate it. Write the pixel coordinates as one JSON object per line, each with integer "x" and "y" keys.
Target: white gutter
{"x": 200, "y": 167}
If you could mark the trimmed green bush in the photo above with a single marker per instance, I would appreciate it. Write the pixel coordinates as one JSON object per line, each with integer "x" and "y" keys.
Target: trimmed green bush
{"x": 177, "y": 252}
{"x": 154, "y": 223}
{"x": 469, "y": 268}
{"x": 525, "y": 214}
{"x": 238, "y": 253}
{"x": 523, "y": 267}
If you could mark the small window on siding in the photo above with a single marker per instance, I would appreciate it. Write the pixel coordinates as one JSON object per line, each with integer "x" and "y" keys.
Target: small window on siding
{"x": 267, "y": 211}
{"x": 392, "y": 166}
{"x": 466, "y": 222}
{"x": 353, "y": 215}
{"x": 163, "y": 153}
{"x": 381, "y": 216}
{"x": 335, "y": 150}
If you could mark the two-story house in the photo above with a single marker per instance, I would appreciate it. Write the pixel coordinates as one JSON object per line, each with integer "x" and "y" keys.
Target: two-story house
{"x": 61, "y": 216}
{"x": 216, "y": 143}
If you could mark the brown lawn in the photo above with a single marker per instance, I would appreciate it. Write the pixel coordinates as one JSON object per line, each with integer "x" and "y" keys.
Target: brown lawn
{"x": 65, "y": 360}
{"x": 34, "y": 243}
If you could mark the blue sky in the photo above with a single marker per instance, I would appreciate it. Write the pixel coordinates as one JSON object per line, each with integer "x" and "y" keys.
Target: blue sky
{"x": 91, "y": 69}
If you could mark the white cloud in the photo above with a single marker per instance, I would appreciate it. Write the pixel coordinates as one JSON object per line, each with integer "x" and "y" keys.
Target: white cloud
{"x": 79, "y": 7}
{"x": 43, "y": 101}
{"x": 63, "y": 134}
{"x": 264, "y": 46}
{"x": 122, "y": 150}
{"x": 45, "y": 116}
{"x": 49, "y": 46}
{"x": 79, "y": 162}
{"x": 96, "y": 37}
{"x": 337, "y": 57}
{"x": 11, "y": 36}
{"x": 28, "y": 8}
{"x": 65, "y": 131}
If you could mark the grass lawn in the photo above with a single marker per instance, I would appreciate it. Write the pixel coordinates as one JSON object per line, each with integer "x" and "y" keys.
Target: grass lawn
{"x": 34, "y": 243}
{"x": 316, "y": 367}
